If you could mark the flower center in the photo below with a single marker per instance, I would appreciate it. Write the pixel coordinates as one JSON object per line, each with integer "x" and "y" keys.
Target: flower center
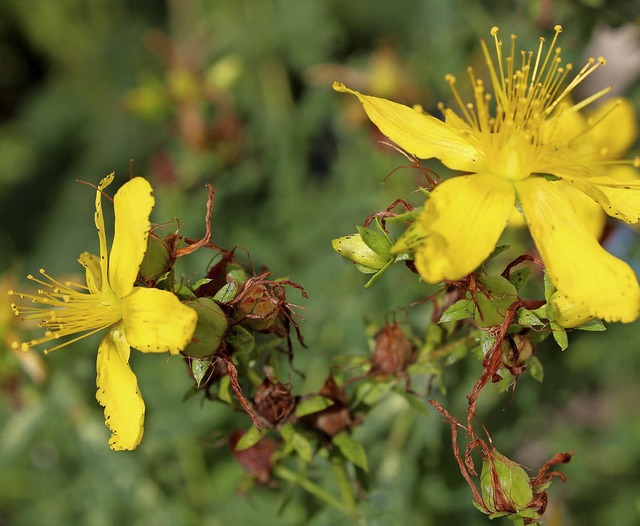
{"x": 510, "y": 156}
{"x": 67, "y": 309}
{"x": 513, "y": 117}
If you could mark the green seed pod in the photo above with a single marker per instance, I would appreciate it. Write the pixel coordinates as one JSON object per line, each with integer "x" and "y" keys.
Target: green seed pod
{"x": 566, "y": 313}
{"x": 210, "y": 330}
{"x": 515, "y": 485}
{"x": 156, "y": 261}
{"x": 356, "y": 250}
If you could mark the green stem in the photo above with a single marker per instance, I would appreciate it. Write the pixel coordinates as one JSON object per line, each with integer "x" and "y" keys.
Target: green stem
{"x": 313, "y": 489}
{"x": 346, "y": 489}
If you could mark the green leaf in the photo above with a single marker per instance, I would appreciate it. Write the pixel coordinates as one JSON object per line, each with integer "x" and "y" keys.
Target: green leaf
{"x": 224, "y": 393}
{"x": 594, "y": 325}
{"x": 519, "y": 277}
{"x": 199, "y": 368}
{"x": 549, "y": 287}
{"x": 298, "y": 442}
{"x": 457, "y": 352}
{"x": 460, "y": 310}
{"x": 351, "y": 449}
{"x": 492, "y": 309}
{"x": 425, "y": 368}
{"x": 497, "y": 251}
{"x": 528, "y": 318}
{"x": 535, "y": 368}
{"x": 200, "y": 282}
{"x": 378, "y": 274}
{"x": 487, "y": 341}
{"x": 377, "y": 391}
{"x": 226, "y": 293}
{"x": 237, "y": 273}
{"x": 560, "y": 335}
{"x": 313, "y": 405}
{"x": 250, "y": 438}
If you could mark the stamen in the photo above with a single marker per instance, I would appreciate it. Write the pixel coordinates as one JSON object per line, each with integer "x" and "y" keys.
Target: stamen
{"x": 451, "y": 80}
{"x": 587, "y": 70}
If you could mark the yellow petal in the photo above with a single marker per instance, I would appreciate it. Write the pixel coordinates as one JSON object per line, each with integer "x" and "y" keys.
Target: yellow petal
{"x": 564, "y": 126}
{"x": 156, "y": 321}
{"x": 618, "y": 198}
{"x": 419, "y": 133}
{"x": 132, "y": 205}
{"x": 463, "y": 219}
{"x": 102, "y": 235}
{"x": 578, "y": 266}
{"x": 93, "y": 272}
{"x": 589, "y": 212}
{"x": 118, "y": 391}
{"x": 515, "y": 219}
{"x": 615, "y": 128}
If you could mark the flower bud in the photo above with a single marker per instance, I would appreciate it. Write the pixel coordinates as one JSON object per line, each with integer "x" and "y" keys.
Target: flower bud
{"x": 356, "y": 250}
{"x": 393, "y": 351}
{"x": 156, "y": 261}
{"x": 210, "y": 330}
{"x": 508, "y": 488}
{"x": 258, "y": 309}
{"x": 566, "y": 313}
{"x": 273, "y": 402}
{"x": 256, "y": 460}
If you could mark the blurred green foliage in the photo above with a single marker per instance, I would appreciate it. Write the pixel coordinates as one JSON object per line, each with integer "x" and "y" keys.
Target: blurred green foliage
{"x": 237, "y": 93}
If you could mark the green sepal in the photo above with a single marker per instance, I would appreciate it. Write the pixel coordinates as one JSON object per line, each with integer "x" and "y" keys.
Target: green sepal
{"x": 366, "y": 270}
{"x": 410, "y": 239}
{"x": 240, "y": 340}
{"x": 156, "y": 260}
{"x": 514, "y": 483}
{"x": 210, "y": 330}
{"x": 376, "y": 241}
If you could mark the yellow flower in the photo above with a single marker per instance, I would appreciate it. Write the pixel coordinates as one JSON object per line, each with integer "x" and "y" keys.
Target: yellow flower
{"x": 512, "y": 148}
{"x": 150, "y": 320}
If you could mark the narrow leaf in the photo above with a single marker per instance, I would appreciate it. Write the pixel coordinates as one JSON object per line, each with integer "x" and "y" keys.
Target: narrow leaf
{"x": 351, "y": 449}
{"x": 313, "y": 405}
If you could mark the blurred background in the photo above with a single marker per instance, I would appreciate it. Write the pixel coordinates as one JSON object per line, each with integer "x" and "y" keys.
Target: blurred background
{"x": 237, "y": 93}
